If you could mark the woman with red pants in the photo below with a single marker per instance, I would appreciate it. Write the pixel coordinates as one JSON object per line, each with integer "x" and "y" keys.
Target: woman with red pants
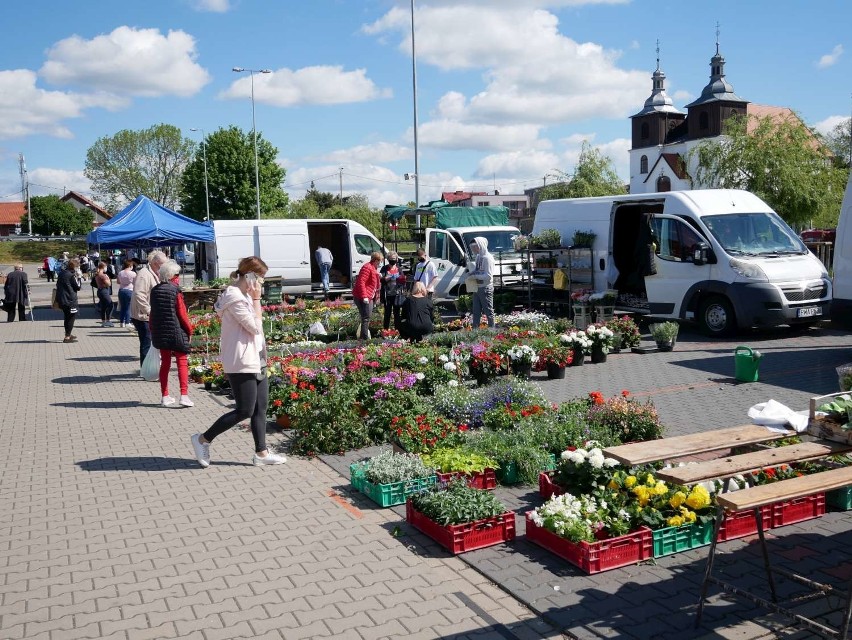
{"x": 170, "y": 331}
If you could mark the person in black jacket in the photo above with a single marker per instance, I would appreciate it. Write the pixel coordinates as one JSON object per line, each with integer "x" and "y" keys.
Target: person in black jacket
{"x": 17, "y": 293}
{"x": 171, "y": 331}
{"x": 67, "y": 285}
{"x": 417, "y": 314}
{"x": 393, "y": 281}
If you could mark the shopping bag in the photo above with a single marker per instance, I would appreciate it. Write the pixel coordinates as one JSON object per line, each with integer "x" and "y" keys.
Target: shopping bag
{"x": 53, "y": 303}
{"x": 151, "y": 365}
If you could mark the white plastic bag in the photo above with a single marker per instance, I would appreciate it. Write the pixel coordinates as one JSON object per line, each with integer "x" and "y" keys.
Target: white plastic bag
{"x": 151, "y": 365}
{"x": 316, "y": 329}
{"x": 775, "y": 414}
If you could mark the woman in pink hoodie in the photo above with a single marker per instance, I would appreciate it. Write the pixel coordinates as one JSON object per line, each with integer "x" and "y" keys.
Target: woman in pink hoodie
{"x": 242, "y": 349}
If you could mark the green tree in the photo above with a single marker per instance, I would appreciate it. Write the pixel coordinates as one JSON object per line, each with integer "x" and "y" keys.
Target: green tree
{"x": 231, "y": 178}
{"x": 780, "y": 161}
{"x": 323, "y": 199}
{"x": 594, "y": 175}
{"x": 52, "y": 216}
{"x": 132, "y": 163}
{"x": 839, "y": 142}
{"x": 303, "y": 209}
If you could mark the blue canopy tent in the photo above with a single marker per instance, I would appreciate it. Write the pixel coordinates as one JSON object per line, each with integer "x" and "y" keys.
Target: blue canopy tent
{"x": 145, "y": 224}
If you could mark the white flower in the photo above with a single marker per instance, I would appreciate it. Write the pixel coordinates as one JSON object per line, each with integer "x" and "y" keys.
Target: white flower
{"x": 596, "y": 461}
{"x": 453, "y": 383}
{"x": 449, "y": 366}
{"x": 443, "y": 358}
{"x": 423, "y": 360}
{"x": 565, "y": 454}
{"x": 419, "y": 375}
{"x": 610, "y": 462}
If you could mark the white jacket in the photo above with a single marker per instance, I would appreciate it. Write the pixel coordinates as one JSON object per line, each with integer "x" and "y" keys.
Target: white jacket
{"x": 242, "y": 347}
{"x": 484, "y": 269}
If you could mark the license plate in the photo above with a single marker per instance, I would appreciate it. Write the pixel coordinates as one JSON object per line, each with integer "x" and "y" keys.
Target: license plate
{"x": 808, "y": 312}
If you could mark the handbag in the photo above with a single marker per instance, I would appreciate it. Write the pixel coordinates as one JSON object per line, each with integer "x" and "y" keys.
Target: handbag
{"x": 400, "y": 298}
{"x": 53, "y": 303}
{"x": 151, "y": 365}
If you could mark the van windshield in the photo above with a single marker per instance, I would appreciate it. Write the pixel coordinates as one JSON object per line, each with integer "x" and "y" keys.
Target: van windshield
{"x": 499, "y": 241}
{"x": 754, "y": 234}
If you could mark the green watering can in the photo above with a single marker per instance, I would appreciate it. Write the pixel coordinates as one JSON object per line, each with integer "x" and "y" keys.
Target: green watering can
{"x": 746, "y": 364}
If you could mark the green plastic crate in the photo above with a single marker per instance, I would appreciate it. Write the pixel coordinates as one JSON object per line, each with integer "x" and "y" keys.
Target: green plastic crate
{"x": 508, "y": 474}
{"x": 390, "y": 494}
{"x": 839, "y": 499}
{"x": 674, "y": 539}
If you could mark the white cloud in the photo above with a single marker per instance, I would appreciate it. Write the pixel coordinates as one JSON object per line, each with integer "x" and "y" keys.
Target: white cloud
{"x": 375, "y": 153}
{"x": 213, "y": 6}
{"x": 829, "y": 59}
{"x": 129, "y": 61}
{"x": 825, "y": 126}
{"x": 520, "y": 164}
{"x": 48, "y": 181}
{"x": 533, "y": 72}
{"x": 449, "y": 134}
{"x": 682, "y": 96}
{"x": 309, "y": 85}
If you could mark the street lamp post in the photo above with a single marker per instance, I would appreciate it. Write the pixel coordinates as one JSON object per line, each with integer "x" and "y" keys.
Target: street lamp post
{"x": 204, "y": 151}
{"x": 414, "y": 93}
{"x": 254, "y": 130}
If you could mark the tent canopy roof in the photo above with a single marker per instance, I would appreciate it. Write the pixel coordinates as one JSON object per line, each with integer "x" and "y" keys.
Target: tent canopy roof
{"x": 448, "y": 216}
{"x": 146, "y": 224}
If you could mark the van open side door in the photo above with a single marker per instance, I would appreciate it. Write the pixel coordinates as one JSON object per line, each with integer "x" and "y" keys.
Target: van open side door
{"x": 450, "y": 261}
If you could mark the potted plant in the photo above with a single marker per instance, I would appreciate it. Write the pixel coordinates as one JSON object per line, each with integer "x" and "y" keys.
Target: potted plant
{"x": 459, "y": 462}
{"x": 627, "y": 330}
{"x": 583, "y": 238}
{"x": 423, "y": 432}
{"x": 553, "y": 358}
{"x": 521, "y": 242}
{"x": 461, "y": 518}
{"x": 522, "y": 357}
{"x": 547, "y": 239}
{"x": 665, "y": 334}
{"x": 389, "y": 478}
{"x": 602, "y": 339}
{"x": 580, "y": 345}
{"x": 484, "y": 364}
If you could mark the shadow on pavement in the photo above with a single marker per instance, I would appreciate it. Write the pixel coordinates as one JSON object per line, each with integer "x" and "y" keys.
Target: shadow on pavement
{"x": 95, "y": 379}
{"x": 107, "y": 404}
{"x": 105, "y": 359}
{"x": 149, "y": 463}
{"x": 33, "y": 341}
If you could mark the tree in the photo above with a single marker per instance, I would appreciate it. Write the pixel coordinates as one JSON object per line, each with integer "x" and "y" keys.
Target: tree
{"x": 52, "y": 216}
{"x": 132, "y": 163}
{"x": 780, "y": 161}
{"x": 839, "y": 142}
{"x": 231, "y": 178}
{"x": 594, "y": 175}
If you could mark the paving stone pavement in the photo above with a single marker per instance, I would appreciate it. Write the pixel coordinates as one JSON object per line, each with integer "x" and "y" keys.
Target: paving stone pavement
{"x": 110, "y": 529}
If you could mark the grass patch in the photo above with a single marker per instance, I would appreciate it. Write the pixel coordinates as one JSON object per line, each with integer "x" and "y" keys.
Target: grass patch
{"x": 17, "y": 251}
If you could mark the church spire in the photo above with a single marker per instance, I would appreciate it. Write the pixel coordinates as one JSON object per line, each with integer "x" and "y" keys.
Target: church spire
{"x": 658, "y": 101}
{"x": 718, "y": 88}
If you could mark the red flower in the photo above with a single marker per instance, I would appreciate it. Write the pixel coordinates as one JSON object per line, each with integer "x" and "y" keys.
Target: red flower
{"x": 277, "y": 403}
{"x": 294, "y": 395}
{"x": 624, "y": 393}
{"x": 463, "y": 427}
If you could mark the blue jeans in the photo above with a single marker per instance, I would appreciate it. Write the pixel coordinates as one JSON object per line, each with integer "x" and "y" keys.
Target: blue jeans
{"x": 124, "y": 297}
{"x": 325, "y": 267}
{"x": 144, "y": 338}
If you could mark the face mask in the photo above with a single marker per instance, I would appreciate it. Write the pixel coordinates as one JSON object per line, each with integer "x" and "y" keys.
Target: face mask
{"x": 391, "y": 261}
{"x": 422, "y": 259}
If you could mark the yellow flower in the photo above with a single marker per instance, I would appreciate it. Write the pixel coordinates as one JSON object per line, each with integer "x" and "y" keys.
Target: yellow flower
{"x": 613, "y": 484}
{"x": 650, "y": 480}
{"x": 689, "y": 516}
{"x": 698, "y": 498}
{"x": 630, "y": 481}
{"x": 675, "y": 521}
{"x": 660, "y": 489}
{"x": 677, "y": 499}
{"x": 642, "y": 495}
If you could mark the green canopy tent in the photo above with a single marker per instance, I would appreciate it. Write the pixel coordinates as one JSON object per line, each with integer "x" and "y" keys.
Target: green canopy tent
{"x": 448, "y": 216}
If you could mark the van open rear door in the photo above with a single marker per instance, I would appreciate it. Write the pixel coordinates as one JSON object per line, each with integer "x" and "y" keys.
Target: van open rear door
{"x": 449, "y": 260}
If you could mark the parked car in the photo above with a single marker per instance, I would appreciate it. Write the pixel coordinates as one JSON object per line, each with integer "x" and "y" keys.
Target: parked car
{"x": 818, "y": 235}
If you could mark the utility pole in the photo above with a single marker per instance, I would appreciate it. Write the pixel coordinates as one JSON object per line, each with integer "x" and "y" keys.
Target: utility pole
{"x": 25, "y": 188}
{"x": 341, "y": 185}
{"x": 414, "y": 94}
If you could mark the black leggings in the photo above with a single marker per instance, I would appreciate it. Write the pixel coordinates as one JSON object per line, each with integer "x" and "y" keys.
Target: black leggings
{"x": 69, "y": 319}
{"x": 251, "y": 396}
{"x": 105, "y": 303}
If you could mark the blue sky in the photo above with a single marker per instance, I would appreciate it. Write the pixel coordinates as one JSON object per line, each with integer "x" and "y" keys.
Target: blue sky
{"x": 508, "y": 90}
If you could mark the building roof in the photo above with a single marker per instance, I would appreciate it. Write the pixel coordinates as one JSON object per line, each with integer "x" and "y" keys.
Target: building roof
{"x": 718, "y": 89}
{"x": 12, "y": 212}
{"x": 457, "y": 196}
{"x": 83, "y": 200}
{"x": 778, "y": 115}
{"x": 659, "y": 101}
{"x": 676, "y": 164}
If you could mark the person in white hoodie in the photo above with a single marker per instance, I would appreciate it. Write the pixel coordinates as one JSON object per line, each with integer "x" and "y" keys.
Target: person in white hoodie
{"x": 242, "y": 349}
{"x": 483, "y": 272}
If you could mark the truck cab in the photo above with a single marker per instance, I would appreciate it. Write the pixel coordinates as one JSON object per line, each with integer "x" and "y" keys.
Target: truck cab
{"x": 449, "y": 249}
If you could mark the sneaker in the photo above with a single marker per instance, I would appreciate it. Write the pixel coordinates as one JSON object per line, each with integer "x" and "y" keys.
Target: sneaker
{"x": 68, "y": 339}
{"x": 186, "y": 402}
{"x": 109, "y": 325}
{"x": 271, "y": 458}
{"x": 168, "y": 401}
{"x": 201, "y": 449}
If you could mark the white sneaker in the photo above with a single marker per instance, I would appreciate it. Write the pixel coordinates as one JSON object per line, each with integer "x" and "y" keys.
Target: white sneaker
{"x": 186, "y": 402}
{"x": 271, "y": 458}
{"x": 201, "y": 449}
{"x": 168, "y": 401}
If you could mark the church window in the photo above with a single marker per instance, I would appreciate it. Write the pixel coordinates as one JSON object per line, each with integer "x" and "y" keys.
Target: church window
{"x": 643, "y": 164}
{"x": 645, "y": 132}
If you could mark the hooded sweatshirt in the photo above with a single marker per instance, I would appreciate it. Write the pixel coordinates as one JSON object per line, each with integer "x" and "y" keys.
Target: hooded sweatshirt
{"x": 242, "y": 347}
{"x": 484, "y": 269}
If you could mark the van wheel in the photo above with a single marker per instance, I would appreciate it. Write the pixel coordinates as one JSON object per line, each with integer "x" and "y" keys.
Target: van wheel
{"x": 716, "y": 316}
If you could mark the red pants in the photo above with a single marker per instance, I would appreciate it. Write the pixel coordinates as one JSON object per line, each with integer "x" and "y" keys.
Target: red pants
{"x": 166, "y": 365}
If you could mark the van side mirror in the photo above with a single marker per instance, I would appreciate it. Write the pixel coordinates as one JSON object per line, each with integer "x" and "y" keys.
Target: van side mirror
{"x": 462, "y": 262}
{"x": 702, "y": 254}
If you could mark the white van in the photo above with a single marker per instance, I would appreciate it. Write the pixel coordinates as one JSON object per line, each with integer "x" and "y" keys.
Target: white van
{"x": 287, "y": 247}
{"x": 450, "y": 250}
{"x": 721, "y": 257}
{"x": 841, "y": 306}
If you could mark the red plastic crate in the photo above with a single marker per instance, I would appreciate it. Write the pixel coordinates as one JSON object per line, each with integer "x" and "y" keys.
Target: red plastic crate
{"x": 546, "y": 487}
{"x": 797, "y": 510}
{"x": 595, "y": 557}
{"x": 739, "y": 524}
{"x": 484, "y": 480}
{"x": 459, "y": 538}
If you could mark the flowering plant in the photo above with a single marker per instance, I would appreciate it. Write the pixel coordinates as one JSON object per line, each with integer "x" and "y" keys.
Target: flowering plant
{"x": 556, "y": 354}
{"x": 581, "y": 518}
{"x": 423, "y": 432}
{"x": 581, "y": 295}
{"x": 485, "y": 362}
{"x": 584, "y": 470}
{"x": 629, "y": 420}
{"x": 522, "y": 354}
{"x": 600, "y": 336}
{"x": 656, "y": 504}
{"x": 627, "y": 329}
{"x": 578, "y": 341}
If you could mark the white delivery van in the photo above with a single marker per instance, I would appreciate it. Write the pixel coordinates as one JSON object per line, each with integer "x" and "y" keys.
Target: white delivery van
{"x": 287, "y": 247}
{"x": 450, "y": 250}
{"x": 841, "y": 306}
{"x": 721, "y": 257}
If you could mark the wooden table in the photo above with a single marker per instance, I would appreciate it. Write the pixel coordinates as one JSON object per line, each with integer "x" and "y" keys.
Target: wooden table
{"x": 751, "y": 498}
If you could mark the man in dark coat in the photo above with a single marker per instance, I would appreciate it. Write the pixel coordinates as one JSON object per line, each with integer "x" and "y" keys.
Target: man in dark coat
{"x": 16, "y": 293}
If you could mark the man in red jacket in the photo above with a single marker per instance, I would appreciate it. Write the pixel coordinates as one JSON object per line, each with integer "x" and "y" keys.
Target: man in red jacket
{"x": 366, "y": 292}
